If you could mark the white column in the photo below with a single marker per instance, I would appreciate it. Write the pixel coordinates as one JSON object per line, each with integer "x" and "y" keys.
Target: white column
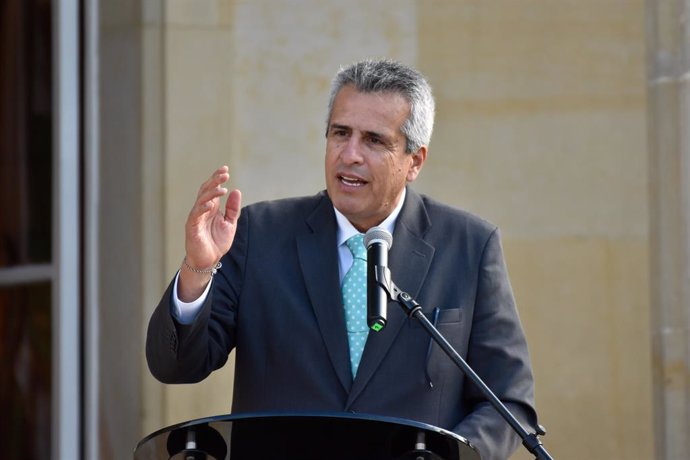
{"x": 669, "y": 135}
{"x": 66, "y": 288}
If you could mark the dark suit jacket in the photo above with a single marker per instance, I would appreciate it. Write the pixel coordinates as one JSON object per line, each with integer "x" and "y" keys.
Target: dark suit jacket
{"x": 277, "y": 302}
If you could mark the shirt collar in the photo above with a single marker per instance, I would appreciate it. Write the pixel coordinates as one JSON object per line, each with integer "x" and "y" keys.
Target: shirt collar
{"x": 347, "y": 230}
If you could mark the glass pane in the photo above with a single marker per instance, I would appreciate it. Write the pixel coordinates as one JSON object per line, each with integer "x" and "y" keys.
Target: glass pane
{"x": 25, "y": 132}
{"x": 25, "y": 361}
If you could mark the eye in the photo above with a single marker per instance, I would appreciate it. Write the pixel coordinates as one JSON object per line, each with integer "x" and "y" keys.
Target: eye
{"x": 339, "y": 132}
{"x": 376, "y": 140}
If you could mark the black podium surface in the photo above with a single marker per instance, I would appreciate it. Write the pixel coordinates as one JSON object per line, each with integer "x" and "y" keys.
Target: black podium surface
{"x": 303, "y": 436}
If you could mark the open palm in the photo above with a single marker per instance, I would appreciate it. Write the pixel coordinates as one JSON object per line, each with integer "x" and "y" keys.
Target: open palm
{"x": 210, "y": 228}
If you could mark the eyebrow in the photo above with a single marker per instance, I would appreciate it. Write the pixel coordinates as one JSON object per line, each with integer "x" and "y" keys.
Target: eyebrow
{"x": 337, "y": 126}
{"x": 366, "y": 133}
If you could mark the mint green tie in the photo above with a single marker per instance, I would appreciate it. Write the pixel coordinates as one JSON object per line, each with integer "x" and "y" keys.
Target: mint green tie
{"x": 355, "y": 300}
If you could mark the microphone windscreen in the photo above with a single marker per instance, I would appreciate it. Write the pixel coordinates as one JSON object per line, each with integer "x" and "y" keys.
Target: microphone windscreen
{"x": 378, "y": 234}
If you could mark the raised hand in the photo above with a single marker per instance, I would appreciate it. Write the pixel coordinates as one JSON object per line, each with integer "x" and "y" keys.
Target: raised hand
{"x": 209, "y": 233}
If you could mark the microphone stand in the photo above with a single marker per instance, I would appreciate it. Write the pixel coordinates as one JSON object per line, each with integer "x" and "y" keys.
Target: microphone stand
{"x": 413, "y": 309}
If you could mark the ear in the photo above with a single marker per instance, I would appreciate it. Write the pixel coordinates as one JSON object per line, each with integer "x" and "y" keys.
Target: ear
{"x": 418, "y": 159}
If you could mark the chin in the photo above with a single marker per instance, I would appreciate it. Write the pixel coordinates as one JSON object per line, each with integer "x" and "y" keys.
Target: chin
{"x": 346, "y": 207}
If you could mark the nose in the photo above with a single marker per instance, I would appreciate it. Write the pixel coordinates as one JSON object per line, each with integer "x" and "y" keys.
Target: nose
{"x": 352, "y": 151}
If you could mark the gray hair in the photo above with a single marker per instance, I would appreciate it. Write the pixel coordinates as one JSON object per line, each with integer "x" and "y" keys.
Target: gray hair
{"x": 390, "y": 76}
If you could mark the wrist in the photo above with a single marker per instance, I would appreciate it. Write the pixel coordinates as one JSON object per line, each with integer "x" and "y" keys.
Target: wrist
{"x": 201, "y": 271}
{"x": 191, "y": 285}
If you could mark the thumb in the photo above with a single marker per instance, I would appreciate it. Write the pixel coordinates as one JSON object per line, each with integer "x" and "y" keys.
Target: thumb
{"x": 233, "y": 206}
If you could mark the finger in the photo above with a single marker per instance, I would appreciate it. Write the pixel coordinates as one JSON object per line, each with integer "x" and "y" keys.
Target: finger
{"x": 208, "y": 202}
{"x": 213, "y": 183}
{"x": 219, "y": 177}
{"x": 211, "y": 194}
{"x": 233, "y": 206}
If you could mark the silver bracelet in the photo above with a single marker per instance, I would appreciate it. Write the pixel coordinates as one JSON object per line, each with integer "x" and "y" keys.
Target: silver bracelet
{"x": 213, "y": 270}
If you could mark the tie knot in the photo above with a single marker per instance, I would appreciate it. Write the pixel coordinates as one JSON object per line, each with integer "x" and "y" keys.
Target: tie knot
{"x": 356, "y": 246}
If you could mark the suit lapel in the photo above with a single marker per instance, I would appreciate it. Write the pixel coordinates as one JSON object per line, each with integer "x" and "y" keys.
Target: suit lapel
{"x": 409, "y": 261}
{"x": 319, "y": 261}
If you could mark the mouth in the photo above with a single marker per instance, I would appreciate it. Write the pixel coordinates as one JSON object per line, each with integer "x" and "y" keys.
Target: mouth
{"x": 351, "y": 181}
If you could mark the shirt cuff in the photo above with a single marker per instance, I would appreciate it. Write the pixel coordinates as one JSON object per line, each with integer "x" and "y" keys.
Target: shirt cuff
{"x": 186, "y": 312}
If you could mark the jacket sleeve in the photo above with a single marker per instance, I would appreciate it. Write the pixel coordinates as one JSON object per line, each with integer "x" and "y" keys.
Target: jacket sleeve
{"x": 498, "y": 354}
{"x": 180, "y": 353}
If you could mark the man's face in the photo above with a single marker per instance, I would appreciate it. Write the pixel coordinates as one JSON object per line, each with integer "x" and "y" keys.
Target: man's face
{"x": 366, "y": 164}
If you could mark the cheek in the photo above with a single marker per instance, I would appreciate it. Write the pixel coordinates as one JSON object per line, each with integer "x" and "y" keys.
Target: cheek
{"x": 329, "y": 159}
{"x": 410, "y": 171}
{"x": 399, "y": 171}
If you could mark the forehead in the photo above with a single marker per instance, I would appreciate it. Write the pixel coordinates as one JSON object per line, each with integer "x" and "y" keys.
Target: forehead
{"x": 382, "y": 111}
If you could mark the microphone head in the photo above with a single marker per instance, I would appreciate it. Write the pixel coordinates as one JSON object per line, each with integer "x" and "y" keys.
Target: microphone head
{"x": 378, "y": 235}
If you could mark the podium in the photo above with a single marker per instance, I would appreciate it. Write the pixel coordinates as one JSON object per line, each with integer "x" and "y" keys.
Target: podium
{"x": 303, "y": 436}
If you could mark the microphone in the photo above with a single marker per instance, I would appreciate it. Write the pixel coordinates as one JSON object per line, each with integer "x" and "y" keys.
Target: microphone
{"x": 378, "y": 242}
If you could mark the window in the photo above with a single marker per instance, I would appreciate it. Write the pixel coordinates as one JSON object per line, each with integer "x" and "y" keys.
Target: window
{"x": 39, "y": 250}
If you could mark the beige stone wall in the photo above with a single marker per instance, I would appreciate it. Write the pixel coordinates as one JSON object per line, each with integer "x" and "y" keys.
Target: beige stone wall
{"x": 540, "y": 129}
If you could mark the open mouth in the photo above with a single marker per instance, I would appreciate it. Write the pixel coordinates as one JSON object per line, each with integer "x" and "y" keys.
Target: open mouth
{"x": 351, "y": 181}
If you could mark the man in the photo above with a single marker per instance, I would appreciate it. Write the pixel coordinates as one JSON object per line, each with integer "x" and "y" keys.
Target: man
{"x": 275, "y": 296}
